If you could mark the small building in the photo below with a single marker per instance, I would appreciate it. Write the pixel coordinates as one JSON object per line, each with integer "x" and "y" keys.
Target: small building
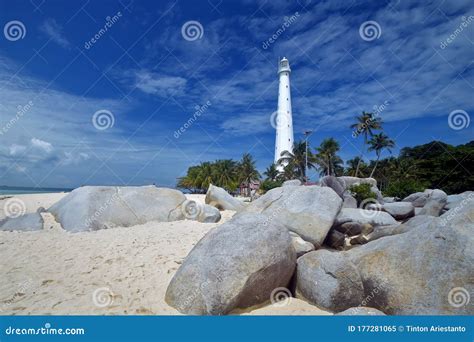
{"x": 254, "y": 186}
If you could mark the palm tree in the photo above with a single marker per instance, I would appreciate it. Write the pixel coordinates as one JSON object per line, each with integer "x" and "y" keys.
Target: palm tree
{"x": 204, "y": 177}
{"x": 377, "y": 143}
{"x": 271, "y": 172}
{"x": 365, "y": 124}
{"x": 296, "y": 160}
{"x": 352, "y": 166}
{"x": 247, "y": 172}
{"x": 327, "y": 157}
{"x": 224, "y": 174}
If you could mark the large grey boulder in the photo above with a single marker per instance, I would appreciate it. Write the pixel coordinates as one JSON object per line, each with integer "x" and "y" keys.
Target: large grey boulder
{"x": 200, "y": 212}
{"x": 209, "y": 214}
{"x": 378, "y": 194}
{"x": 309, "y": 211}
{"x": 347, "y": 182}
{"x": 463, "y": 214}
{"x": 101, "y": 207}
{"x": 326, "y": 279}
{"x": 334, "y": 183}
{"x": 454, "y": 201}
{"x": 25, "y": 222}
{"x": 235, "y": 265}
{"x": 418, "y": 199}
{"x": 350, "y": 181}
{"x": 363, "y": 216}
{"x": 361, "y": 311}
{"x": 348, "y": 201}
{"x": 435, "y": 203}
{"x": 219, "y": 198}
{"x": 425, "y": 271}
{"x": 415, "y": 222}
{"x": 292, "y": 182}
{"x": 399, "y": 210}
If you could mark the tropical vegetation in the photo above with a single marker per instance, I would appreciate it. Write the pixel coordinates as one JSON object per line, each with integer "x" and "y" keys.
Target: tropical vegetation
{"x": 432, "y": 165}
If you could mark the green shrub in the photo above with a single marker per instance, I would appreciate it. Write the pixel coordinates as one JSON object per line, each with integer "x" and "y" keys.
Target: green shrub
{"x": 403, "y": 187}
{"x": 269, "y": 184}
{"x": 362, "y": 192}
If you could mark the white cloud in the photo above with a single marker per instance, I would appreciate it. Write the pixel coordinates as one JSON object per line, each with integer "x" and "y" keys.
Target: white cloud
{"x": 16, "y": 149}
{"x": 154, "y": 83}
{"x": 41, "y": 145}
{"x": 54, "y": 31}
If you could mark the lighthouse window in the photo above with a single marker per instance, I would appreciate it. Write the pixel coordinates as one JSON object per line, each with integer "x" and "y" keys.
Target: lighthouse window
{"x": 286, "y": 99}
{"x": 287, "y": 86}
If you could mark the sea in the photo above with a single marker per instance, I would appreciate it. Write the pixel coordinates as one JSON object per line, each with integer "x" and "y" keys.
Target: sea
{"x": 13, "y": 190}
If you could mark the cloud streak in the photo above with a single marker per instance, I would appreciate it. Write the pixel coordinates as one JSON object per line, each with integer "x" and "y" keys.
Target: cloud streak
{"x": 54, "y": 31}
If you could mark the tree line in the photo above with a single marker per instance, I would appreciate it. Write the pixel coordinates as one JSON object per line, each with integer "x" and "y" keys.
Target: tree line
{"x": 433, "y": 165}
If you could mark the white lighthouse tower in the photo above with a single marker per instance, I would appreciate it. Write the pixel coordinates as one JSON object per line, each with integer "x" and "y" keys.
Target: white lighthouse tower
{"x": 284, "y": 120}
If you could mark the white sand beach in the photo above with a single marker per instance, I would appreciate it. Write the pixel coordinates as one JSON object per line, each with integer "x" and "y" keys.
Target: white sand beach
{"x": 54, "y": 272}
{"x": 113, "y": 271}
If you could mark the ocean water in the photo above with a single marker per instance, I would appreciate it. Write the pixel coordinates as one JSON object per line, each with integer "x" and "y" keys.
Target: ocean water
{"x": 11, "y": 190}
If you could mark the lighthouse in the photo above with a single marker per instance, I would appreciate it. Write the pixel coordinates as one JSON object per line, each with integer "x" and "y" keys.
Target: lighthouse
{"x": 283, "y": 120}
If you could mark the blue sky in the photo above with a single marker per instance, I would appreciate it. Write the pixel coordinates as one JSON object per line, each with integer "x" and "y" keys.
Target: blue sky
{"x": 144, "y": 74}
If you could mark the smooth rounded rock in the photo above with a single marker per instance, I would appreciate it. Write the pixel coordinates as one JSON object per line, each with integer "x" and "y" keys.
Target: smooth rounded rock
{"x": 219, "y": 198}
{"x": 236, "y": 265}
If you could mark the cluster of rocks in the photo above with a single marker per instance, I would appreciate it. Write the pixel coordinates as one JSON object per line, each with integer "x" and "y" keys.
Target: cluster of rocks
{"x": 393, "y": 260}
{"x": 101, "y": 207}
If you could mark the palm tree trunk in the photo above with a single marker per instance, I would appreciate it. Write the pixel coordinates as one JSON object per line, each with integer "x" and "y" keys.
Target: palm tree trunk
{"x": 375, "y": 166}
{"x": 358, "y": 165}
{"x": 362, "y": 154}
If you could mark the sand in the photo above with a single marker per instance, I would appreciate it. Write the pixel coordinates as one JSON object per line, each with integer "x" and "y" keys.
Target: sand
{"x": 117, "y": 271}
